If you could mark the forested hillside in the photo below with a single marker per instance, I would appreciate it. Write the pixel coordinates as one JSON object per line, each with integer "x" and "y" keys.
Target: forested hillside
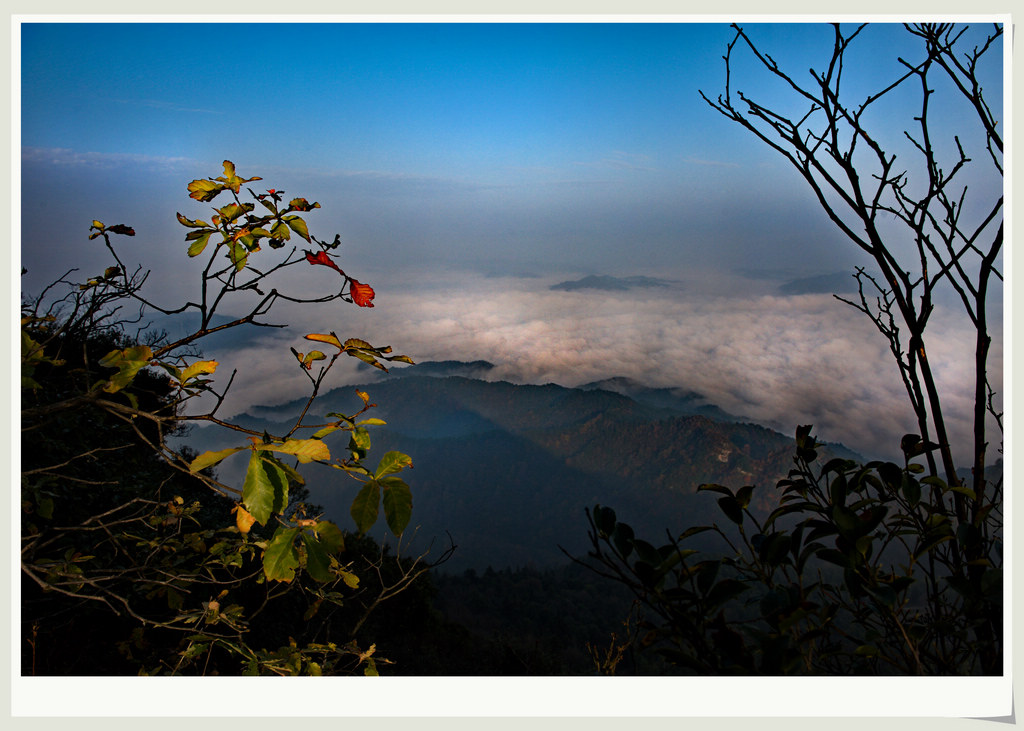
{"x": 508, "y": 470}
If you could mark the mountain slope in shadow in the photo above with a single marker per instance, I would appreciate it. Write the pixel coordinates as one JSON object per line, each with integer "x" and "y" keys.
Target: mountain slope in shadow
{"x": 508, "y": 470}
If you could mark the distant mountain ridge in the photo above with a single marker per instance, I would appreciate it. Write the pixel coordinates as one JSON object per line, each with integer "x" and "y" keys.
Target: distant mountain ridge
{"x": 508, "y": 470}
{"x": 675, "y": 399}
{"x": 821, "y": 284}
{"x": 610, "y": 284}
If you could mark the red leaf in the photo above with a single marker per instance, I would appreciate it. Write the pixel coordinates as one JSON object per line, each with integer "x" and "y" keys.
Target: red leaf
{"x": 322, "y": 258}
{"x": 362, "y": 294}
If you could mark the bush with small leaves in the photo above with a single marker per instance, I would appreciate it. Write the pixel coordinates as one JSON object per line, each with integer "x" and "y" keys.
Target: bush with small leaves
{"x": 119, "y": 518}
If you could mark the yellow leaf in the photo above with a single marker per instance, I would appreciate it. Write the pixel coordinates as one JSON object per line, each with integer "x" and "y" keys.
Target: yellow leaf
{"x": 206, "y": 459}
{"x": 200, "y": 367}
{"x": 306, "y": 450}
{"x": 243, "y": 519}
{"x": 330, "y": 338}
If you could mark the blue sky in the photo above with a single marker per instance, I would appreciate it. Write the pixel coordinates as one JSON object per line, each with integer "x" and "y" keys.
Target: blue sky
{"x": 475, "y": 100}
{"x": 514, "y": 146}
{"x": 455, "y": 158}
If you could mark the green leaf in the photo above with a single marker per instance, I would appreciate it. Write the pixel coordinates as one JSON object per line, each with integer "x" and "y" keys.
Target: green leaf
{"x": 233, "y": 181}
{"x": 884, "y": 594}
{"x": 775, "y": 548}
{"x": 744, "y": 494}
{"x": 924, "y": 548}
{"x": 306, "y": 450}
{"x": 646, "y": 552}
{"x": 872, "y": 517}
{"x": 731, "y": 508}
{"x": 833, "y": 556}
{"x": 321, "y": 433}
{"x": 281, "y": 231}
{"x": 397, "y": 504}
{"x": 401, "y": 359}
{"x": 366, "y": 358}
{"x": 359, "y": 442}
{"x": 350, "y": 579}
{"x": 190, "y": 223}
{"x": 725, "y": 590}
{"x": 330, "y": 536}
{"x": 674, "y": 558}
{"x": 715, "y": 488}
{"x": 966, "y": 491}
{"x": 371, "y": 422}
{"x": 838, "y": 489}
{"x": 193, "y": 235}
{"x": 911, "y": 490}
{"x": 307, "y": 359}
{"x": 864, "y": 545}
{"x": 694, "y": 530}
{"x": 366, "y": 506}
{"x": 128, "y": 362}
{"x": 238, "y": 254}
{"x": 392, "y": 462}
{"x": 301, "y": 204}
{"x": 622, "y": 536}
{"x": 707, "y": 572}
{"x": 206, "y": 459}
{"x": 891, "y": 475}
{"x": 846, "y": 520}
{"x": 281, "y": 558}
{"x": 199, "y": 244}
{"x": 318, "y": 563}
{"x": 204, "y": 190}
{"x": 233, "y": 210}
{"x": 265, "y": 490}
{"x": 604, "y": 520}
{"x": 289, "y": 471}
{"x": 44, "y": 506}
{"x": 297, "y": 225}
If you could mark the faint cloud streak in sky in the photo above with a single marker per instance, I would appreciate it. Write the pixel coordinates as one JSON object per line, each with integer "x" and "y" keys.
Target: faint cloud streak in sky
{"x": 716, "y": 163}
{"x": 167, "y": 106}
{"x": 62, "y": 156}
{"x": 620, "y": 160}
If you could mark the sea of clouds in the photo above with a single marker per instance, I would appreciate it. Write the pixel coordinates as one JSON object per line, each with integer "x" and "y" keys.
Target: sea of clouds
{"x": 779, "y": 360}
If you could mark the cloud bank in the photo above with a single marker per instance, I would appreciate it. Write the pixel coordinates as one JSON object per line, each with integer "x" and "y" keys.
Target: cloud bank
{"x": 779, "y": 360}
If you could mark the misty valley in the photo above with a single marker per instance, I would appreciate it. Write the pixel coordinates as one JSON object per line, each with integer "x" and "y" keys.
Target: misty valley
{"x": 503, "y": 474}
{"x": 508, "y": 470}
